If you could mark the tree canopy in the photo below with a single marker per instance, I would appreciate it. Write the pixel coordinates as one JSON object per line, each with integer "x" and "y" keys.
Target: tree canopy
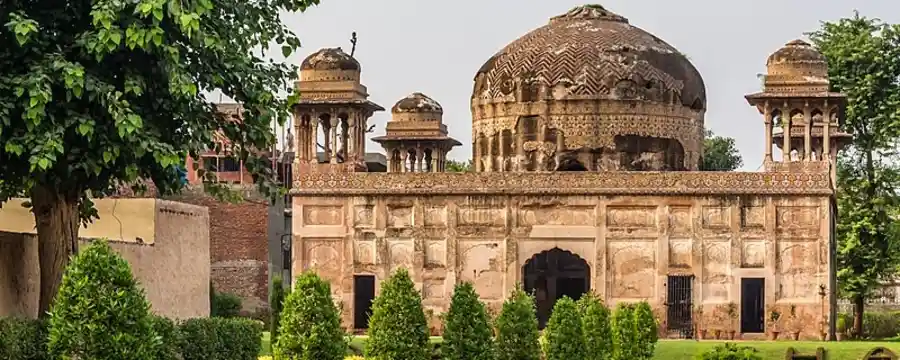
{"x": 99, "y": 94}
{"x": 720, "y": 154}
{"x": 864, "y": 63}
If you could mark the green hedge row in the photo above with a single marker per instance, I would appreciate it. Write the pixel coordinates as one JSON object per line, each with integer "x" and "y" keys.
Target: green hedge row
{"x": 877, "y": 325}
{"x": 195, "y": 339}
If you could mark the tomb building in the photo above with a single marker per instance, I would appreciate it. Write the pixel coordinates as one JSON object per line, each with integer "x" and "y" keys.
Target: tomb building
{"x": 588, "y": 134}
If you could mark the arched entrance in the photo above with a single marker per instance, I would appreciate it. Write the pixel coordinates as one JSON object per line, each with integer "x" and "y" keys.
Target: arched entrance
{"x": 553, "y": 274}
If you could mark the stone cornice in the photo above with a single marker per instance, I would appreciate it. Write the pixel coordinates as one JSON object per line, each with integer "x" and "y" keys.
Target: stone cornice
{"x": 556, "y": 183}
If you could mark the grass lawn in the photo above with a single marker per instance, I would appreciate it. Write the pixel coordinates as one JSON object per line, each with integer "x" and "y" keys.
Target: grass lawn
{"x": 686, "y": 349}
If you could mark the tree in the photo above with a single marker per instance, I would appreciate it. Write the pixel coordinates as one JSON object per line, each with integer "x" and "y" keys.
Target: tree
{"x": 458, "y": 166}
{"x": 595, "y": 325}
{"x": 310, "y": 327}
{"x": 517, "y": 329}
{"x": 719, "y": 154}
{"x": 467, "y": 331}
{"x": 101, "y": 312}
{"x": 276, "y": 304}
{"x": 96, "y": 95}
{"x": 864, "y": 63}
{"x": 398, "y": 328}
{"x": 565, "y": 339}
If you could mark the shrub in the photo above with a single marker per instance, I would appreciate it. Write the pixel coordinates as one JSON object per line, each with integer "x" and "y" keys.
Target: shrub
{"x": 220, "y": 339}
{"x": 565, "y": 339}
{"x": 624, "y": 334}
{"x": 879, "y": 325}
{"x": 467, "y": 330}
{"x": 225, "y": 305}
{"x": 276, "y": 304}
{"x": 595, "y": 325}
{"x": 397, "y": 327}
{"x": 729, "y": 351}
{"x": 646, "y": 330}
{"x": 311, "y": 324}
{"x": 100, "y": 312}
{"x": 22, "y": 339}
{"x": 517, "y": 329}
{"x": 169, "y": 336}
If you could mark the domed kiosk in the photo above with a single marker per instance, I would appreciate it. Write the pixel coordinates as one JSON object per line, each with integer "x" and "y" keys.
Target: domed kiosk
{"x": 416, "y": 138}
{"x": 587, "y": 135}
{"x": 588, "y": 89}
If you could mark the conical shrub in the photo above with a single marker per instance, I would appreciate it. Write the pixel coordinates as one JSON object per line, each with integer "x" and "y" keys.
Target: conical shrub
{"x": 100, "y": 312}
{"x": 517, "y": 329}
{"x": 624, "y": 334}
{"x": 595, "y": 325}
{"x": 565, "y": 339}
{"x": 467, "y": 329}
{"x": 646, "y": 328}
{"x": 398, "y": 328}
{"x": 310, "y": 326}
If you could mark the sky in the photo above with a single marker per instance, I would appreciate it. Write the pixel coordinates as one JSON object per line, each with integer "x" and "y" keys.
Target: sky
{"x": 436, "y": 47}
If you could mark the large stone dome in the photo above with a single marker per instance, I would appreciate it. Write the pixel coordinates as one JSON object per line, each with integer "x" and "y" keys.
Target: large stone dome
{"x": 588, "y": 92}
{"x": 590, "y": 52}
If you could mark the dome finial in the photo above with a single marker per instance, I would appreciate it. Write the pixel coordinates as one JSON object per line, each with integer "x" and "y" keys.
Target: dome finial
{"x": 590, "y": 12}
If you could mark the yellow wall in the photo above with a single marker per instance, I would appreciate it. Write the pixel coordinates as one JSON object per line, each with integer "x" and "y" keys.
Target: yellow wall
{"x": 123, "y": 220}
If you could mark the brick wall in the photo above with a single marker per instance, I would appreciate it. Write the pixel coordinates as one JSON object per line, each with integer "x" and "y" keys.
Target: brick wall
{"x": 238, "y": 247}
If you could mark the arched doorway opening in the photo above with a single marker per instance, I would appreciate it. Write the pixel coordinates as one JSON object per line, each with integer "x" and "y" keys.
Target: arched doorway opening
{"x": 553, "y": 274}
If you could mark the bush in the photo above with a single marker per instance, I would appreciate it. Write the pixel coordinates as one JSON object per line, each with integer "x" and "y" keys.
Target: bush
{"x": 467, "y": 330}
{"x": 565, "y": 339}
{"x": 646, "y": 330}
{"x": 729, "y": 351}
{"x": 220, "y": 339}
{"x": 517, "y": 329}
{"x": 397, "y": 327}
{"x": 624, "y": 334}
{"x": 276, "y": 304}
{"x": 311, "y": 327}
{"x": 879, "y": 325}
{"x": 224, "y": 305}
{"x": 595, "y": 325}
{"x": 22, "y": 339}
{"x": 169, "y": 336}
{"x": 100, "y": 312}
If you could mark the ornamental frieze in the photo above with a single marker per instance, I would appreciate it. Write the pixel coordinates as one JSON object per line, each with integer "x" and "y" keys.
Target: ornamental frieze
{"x": 552, "y": 183}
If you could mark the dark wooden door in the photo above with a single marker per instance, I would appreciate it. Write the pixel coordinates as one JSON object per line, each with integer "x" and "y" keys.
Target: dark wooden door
{"x": 753, "y": 303}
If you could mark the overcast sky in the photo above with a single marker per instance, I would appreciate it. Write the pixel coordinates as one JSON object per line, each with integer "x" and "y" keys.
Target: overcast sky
{"x": 436, "y": 47}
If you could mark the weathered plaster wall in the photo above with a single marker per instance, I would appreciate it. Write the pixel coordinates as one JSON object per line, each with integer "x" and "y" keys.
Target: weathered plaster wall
{"x": 238, "y": 247}
{"x": 632, "y": 243}
{"x": 174, "y": 270}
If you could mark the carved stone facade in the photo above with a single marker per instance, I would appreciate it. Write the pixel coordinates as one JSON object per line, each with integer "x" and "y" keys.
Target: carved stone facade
{"x": 581, "y": 183}
{"x": 630, "y": 243}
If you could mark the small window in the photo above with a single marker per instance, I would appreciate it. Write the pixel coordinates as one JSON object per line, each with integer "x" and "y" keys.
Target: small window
{"x": 230, "y": 164}
{"x": 210, "y": 163}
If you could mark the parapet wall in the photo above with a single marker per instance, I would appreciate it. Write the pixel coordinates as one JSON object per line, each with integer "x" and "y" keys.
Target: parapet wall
{"x": 173, "y": 269}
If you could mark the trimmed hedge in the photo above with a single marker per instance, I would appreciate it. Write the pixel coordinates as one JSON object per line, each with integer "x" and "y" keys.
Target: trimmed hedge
{"x": 22, "y": 339}
{"x": 220, "y": 339}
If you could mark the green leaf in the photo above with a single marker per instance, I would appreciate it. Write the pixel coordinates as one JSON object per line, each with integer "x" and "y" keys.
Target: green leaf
{"x": 286, "y": 50}
{"x": 85, "y": 128}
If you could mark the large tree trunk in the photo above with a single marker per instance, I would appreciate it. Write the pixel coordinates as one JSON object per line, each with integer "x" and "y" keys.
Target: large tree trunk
{"x": 859, "y": 304}
{"x": 56, "y": 216}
